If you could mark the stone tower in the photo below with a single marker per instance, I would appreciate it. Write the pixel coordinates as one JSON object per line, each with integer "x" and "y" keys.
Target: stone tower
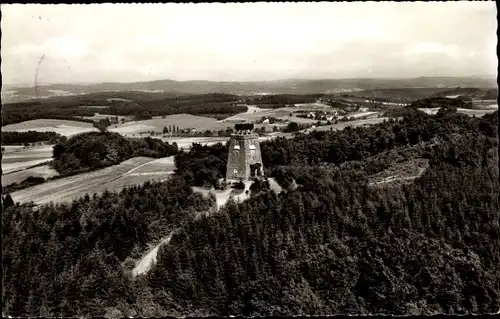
{"x": 244, "y": 160}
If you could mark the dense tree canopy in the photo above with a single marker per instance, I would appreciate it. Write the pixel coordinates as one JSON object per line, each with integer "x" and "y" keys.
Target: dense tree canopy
{"x": 335, "y": 245}
{"x": 65, "y": 259}
{"x": 331, "y": 244}
{"x": 12, "y": 138}
{"x": 203, "y": 165}
{"x": 442, "y": 102}
{"x": 26, "y": 111}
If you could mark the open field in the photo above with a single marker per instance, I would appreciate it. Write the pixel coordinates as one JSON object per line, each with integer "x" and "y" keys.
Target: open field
{"x": 485, "y": 104}
{"x": 44, "y": 171}
{"x": 362, "y": 114}
{"x": 313, "y": 106}
{"x": 478, "y": 113}
{"x": 255, "y": 113}
{"x": 16, "y": 166}
{"x": 183, "y": 121}
{"x": 7, "y": 149}
{"x": 137, "y": 170}
{"x": 63, "y": 127}
{"x": 17, "y": 158}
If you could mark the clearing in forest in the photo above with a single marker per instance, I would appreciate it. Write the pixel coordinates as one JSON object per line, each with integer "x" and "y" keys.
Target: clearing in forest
{"x": 400, "y": 172}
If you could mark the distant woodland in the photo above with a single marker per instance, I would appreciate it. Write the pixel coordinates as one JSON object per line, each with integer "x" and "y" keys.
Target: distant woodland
{"x": 478, "y": 93}
{"x": 281, "y": 100}
{"x": 442, "y": 102}
{"x": 331, "y": 243}
{"x": 140, "y": 105}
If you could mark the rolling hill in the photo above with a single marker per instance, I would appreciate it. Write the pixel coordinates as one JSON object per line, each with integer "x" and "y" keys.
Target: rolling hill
{"x": 292, "y": 86}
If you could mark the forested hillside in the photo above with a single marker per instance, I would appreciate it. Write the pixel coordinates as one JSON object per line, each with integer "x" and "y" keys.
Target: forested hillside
{"x": 478, "y": 93}
{"x": 332, "y": 245}
{"x": 442, "y": 101}
{"x": 335, "y": 245}
{"x": 25, "y": 111}
{"x": 206, "y": 163}
{"x": 66, "y": 260}
{"x": 341, "y": 247}
{"x": 141, "y": 105}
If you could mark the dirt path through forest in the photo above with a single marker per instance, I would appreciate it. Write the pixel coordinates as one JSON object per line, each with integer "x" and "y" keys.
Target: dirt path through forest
{"x": 149, "y": 259}
{"x": 146, "y": 262}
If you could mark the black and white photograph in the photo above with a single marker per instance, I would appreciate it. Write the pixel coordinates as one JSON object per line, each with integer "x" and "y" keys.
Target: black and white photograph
{"x": 250, "y": 159}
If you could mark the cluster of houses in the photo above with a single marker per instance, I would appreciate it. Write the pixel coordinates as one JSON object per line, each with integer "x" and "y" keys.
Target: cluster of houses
{"x": 387, "y": 103}
{"x": 332, "y": 114}
{"x": 323, "y": 116}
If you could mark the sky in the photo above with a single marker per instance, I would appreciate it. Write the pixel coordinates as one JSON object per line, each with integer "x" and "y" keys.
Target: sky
{"x": 246, "y": 41}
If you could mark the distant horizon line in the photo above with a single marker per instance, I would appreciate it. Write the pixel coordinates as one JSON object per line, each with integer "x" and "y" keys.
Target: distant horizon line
{"x": 256, "y": 81}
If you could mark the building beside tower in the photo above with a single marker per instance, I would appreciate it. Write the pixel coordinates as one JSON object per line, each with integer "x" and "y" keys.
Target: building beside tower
{"x": 244, "y": 158}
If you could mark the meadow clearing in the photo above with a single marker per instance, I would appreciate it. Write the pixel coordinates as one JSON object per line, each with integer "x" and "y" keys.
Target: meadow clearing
{"x": 44, "y": 171}
{"x": 16, "y": 158}
{"x": 405, "y": 171}
{"x": 137, "y": 170}
{"x": 255, "y": 113}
